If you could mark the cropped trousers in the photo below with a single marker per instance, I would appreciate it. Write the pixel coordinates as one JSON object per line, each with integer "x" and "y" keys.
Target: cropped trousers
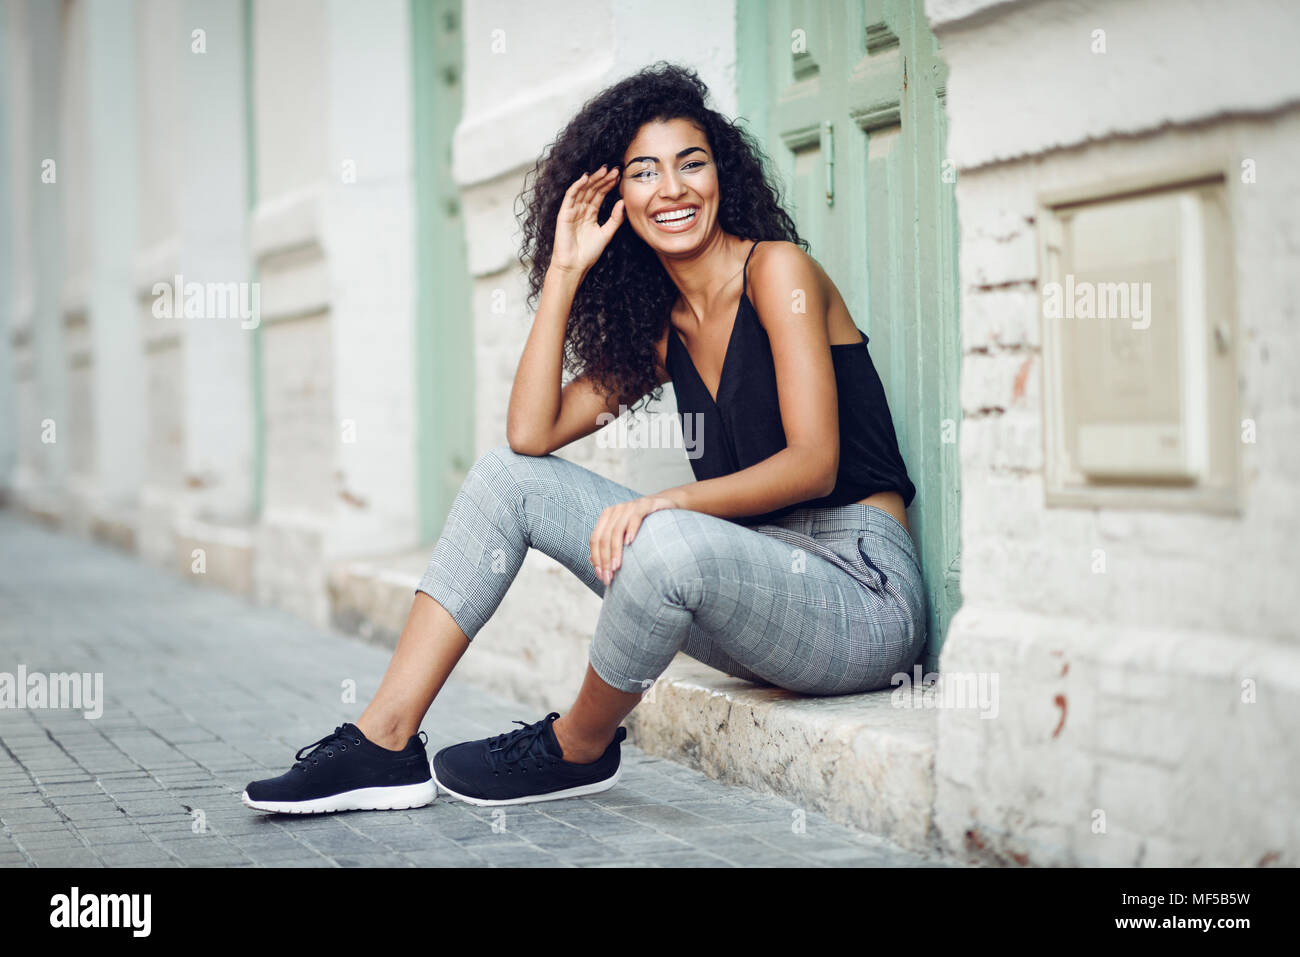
{"x": 823, "y": 601}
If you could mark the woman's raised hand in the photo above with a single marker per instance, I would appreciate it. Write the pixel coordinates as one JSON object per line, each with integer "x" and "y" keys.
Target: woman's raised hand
{"x": 579, "y": 239}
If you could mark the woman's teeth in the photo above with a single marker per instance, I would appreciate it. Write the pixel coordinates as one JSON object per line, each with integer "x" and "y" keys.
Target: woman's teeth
{"x": 676, "y": 216}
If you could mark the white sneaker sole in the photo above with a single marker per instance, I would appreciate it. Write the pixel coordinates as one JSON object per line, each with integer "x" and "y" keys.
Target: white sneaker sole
{"x": 533, "y": 798}
{"x": 395, "y": 798}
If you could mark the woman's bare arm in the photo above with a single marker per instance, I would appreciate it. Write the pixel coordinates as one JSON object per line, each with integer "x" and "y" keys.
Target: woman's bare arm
{"x": 581, "y": 410}
{"x": 539, "y": 410}
{"x": 540, "y": 417}
{"x": 574, "y": 411}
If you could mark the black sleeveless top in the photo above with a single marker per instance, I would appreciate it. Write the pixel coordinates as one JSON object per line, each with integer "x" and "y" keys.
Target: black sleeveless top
{"x": 743, "y": 427}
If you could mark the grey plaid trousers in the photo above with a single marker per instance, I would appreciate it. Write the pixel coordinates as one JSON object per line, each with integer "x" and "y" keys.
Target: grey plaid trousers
{"x": 824, "y": 601}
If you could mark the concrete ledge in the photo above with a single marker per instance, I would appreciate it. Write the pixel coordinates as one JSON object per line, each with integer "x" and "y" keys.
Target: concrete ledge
{"x": 371, "y": 598}
{"x": 858, "y": 759}
{"x": 116, "y": 530}
{"x": 227, "y": 554}
{"x": 39, "y": 508}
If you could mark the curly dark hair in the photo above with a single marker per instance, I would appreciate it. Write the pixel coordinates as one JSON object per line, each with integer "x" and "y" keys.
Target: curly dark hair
{"x": 623, "y": 305}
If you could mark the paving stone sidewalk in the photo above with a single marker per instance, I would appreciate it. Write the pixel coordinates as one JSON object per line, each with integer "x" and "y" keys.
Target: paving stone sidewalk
{"x": 203, "y": 692}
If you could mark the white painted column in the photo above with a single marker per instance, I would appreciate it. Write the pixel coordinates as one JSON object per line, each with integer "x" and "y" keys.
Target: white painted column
{"x": 369, "y": 238}
{"x": 212, "y": 210}
{"x": 159, "y": 47}
{"x": 44, "y": 464}
{"x": 11, "y": 45}
{"x": 118, "y": 384}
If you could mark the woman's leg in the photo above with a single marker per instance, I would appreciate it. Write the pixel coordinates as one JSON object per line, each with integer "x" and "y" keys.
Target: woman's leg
{"x": 507, "y": 504}
{"x": 779, "y": 611}
{"x": 739, "y": 600}
{"x": 429, "y": 648}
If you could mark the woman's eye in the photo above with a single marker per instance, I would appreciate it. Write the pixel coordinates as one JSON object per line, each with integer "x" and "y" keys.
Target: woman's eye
{"x": 648, "y": 173}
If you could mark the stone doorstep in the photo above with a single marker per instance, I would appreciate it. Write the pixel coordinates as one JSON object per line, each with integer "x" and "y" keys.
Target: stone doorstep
{"x": 855, "y": 758}
{"x": 228, "y": 554}
{"x": 371, "y": 598}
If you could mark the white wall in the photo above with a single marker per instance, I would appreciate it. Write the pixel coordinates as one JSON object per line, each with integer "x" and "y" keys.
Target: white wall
{"x": 40, "y": 479}
{"x": 13, "y": 66}
{"x": 369, "y": 239}
{"x": 333, "y": 236}
{"x": 1121, "y": 691}
{"x": 212, "y": 203}
{"x": 119, "y": 393}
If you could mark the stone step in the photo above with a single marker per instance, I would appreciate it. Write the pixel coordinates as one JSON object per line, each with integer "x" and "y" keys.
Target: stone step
{"x": 857, "y": 759}
{"x": 370, "y": 598}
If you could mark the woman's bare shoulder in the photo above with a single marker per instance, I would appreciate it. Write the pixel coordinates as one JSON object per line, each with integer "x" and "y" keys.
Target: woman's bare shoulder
{"x": 788, "y": 274}
{"x": 778, "y": 269}
{"x": 779, "y": 252}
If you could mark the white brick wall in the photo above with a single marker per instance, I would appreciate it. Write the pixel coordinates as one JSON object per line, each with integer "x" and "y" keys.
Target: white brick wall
{"x": 1121, "y": 691}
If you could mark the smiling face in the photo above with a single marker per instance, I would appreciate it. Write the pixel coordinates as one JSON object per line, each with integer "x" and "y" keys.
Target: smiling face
{"x": 669, "y": 185}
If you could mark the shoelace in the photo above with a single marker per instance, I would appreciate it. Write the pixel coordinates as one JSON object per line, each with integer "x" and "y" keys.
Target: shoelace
{"x": 516, "y": 747}
{"x": 340, "y": 737}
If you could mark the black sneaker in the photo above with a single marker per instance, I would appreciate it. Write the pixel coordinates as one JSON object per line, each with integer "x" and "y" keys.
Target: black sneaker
{"x": 348, "y": 772}
{"x": 522, "y": 766}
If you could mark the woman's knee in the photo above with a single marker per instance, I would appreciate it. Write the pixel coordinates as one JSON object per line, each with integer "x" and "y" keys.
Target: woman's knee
{"x": 498, "y": 459}
{"x": 498, "y": 470}
{"x": 501, "y": 462}
{"x": 664, "y": 558}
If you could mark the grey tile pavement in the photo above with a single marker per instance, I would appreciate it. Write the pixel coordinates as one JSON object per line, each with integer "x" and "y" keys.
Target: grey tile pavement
{"x": 203, "y": 692}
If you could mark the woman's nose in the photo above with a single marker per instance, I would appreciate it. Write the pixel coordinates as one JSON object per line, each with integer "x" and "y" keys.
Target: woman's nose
{"x": 671, "y": 188}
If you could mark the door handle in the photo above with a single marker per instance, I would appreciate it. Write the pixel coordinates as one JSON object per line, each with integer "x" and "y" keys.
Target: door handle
{"x": 828, "y": 159}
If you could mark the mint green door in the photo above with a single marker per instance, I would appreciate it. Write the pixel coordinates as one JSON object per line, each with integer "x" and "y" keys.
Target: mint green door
{"x": 444, "y": 359}
{"x": 848, "y": 100}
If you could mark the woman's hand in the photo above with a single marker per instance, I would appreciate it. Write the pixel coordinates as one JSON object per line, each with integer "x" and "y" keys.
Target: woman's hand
{"x": 579, "y": 240}
{"x": 617, "y": 527}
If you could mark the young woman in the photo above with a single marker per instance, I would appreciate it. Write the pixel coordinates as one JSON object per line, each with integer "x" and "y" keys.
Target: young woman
{"x": 660, "y": 252}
